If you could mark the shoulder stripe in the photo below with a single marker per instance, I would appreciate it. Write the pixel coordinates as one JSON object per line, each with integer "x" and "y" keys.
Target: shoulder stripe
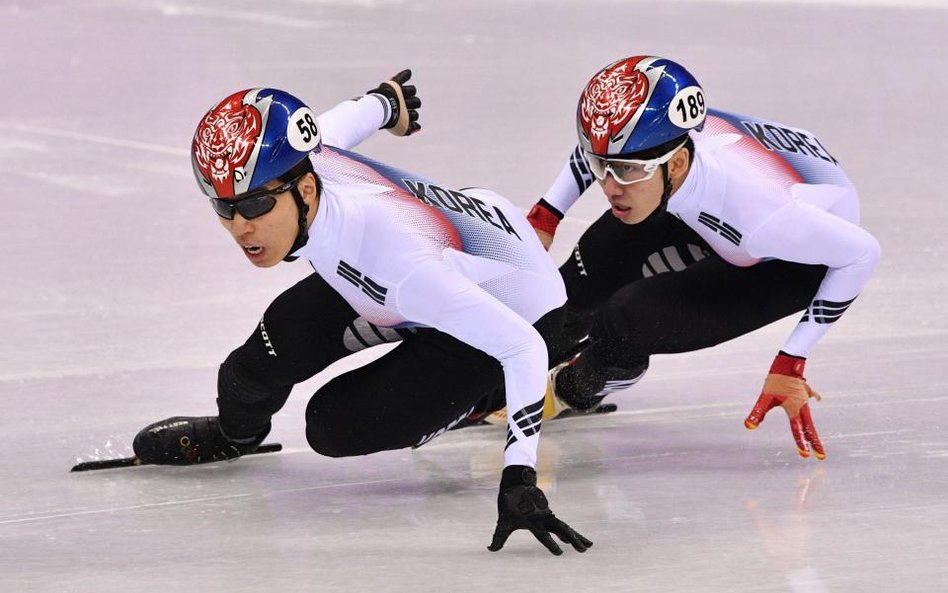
{"x": 722, "y": 228}
{"x": 372, "y": 289}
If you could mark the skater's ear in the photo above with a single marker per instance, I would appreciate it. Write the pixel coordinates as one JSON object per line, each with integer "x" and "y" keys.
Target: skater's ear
{"x": 678, "y": 164}
{"x": 310, "y": 187}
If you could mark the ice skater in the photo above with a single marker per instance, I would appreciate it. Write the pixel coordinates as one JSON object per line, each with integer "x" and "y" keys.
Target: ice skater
{"x": 718, "y": 224}
{"x": 457, "y": 277}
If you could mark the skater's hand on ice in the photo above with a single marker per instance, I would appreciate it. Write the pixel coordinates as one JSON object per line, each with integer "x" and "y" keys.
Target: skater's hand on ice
{"x": 404, "y": 103}
{"x": 786, "y": 387}
{"x": 522, "y": 505}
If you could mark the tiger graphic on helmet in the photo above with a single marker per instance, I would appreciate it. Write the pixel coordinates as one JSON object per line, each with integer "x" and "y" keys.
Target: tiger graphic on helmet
{"x": 611, "y": 99}
{"x": 226, "y": 142}
{"x": 624, "y": 107}
{"x": 250, "y": 138}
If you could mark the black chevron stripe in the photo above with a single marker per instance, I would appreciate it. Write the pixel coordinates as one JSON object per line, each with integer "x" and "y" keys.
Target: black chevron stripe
{"x": 358, "y": 282}
{"x": 736, "y": 233}
{"x": 358, "y": 336}
{"x": 344, "y": 266}
{"x": 377, "y": 288}
{"x": 722, "y": 228}
{"x": 529, "y": 410}
{"x": 529, "y": 418}
{"x": 829, "y": 311}
{"x": 530, "y": 421}
{"x": 580, "y": 169}
{"x": 372, "y": 289}
{"x": 725, "y": 230}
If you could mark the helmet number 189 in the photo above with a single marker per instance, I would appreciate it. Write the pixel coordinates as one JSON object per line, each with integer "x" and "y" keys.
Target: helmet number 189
{"x": 687, "y": 108}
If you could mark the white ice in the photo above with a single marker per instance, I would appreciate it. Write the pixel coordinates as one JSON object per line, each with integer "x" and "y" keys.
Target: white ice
{"x": 120, "y": 295}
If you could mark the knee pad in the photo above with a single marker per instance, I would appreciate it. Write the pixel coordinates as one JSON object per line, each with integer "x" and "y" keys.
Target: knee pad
{"x": 319, "y": 433}
{"x": 244, "y": 402}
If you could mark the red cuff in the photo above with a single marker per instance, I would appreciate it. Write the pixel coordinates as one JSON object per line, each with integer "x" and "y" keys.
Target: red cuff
{"x": 785, "y": 364}
{"x": 542, "y": 219}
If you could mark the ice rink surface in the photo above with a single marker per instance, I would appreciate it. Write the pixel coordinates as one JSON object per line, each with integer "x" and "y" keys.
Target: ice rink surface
{"x": 121, "y": 294}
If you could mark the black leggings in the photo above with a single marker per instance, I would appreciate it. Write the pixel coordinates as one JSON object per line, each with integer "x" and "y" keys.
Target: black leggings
{"x": 429, "y": 382}
{"x": 623, "y": 297}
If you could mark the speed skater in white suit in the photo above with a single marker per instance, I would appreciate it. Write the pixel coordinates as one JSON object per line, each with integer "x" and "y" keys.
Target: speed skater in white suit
{"x": 718, "y": 224}
{"x": 458, "y": 278}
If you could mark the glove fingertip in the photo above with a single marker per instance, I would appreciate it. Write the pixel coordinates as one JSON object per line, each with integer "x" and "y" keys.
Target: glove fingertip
{"x": 750, "y": 425}
{"x": 555, "y": 550}
{"x": 580, "y": 543}
{"x": 803, "y": 452}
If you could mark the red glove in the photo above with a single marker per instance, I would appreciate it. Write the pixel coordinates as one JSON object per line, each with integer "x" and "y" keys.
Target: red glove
{"x": 786, "y": 387}
{"x": 544, "y": 220}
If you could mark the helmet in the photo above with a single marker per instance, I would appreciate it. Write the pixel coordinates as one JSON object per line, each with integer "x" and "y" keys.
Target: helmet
{"x": 637, "y": 104}
{"x": 251, "y": 137}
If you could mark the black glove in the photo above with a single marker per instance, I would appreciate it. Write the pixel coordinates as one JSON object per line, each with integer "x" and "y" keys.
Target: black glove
{"x": 404, "y": 104}
{"x": 521, "y": 505}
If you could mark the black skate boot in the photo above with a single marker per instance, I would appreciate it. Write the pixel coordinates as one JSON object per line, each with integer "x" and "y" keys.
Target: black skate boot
{"x": 185, "y": 440}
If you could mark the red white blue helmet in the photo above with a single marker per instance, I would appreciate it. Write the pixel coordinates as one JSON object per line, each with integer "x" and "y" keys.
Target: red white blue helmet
{"x": 251, "y": 137}
{"x": 636, "y": 104}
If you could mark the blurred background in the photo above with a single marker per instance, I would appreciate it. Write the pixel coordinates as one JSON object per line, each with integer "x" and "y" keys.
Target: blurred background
{"x": 121, "y": 294}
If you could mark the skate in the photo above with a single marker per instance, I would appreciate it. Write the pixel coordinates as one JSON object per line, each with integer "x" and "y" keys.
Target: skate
{"x": 554, "y": 408}
{"x": 183, "y": 440}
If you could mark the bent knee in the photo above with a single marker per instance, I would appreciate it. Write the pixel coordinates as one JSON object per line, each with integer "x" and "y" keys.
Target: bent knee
{"x": 335, "y": 435}
{"x": 320, "y": 434}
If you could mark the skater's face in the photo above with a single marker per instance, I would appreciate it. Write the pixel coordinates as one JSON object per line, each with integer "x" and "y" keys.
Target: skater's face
{"x": 634, "y": 202}
{"x": 267, "y": 239}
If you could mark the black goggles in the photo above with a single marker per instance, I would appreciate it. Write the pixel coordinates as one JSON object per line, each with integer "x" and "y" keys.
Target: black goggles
{"x": 253, "y": 204}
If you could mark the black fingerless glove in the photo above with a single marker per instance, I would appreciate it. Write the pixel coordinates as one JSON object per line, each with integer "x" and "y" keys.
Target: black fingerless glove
{"x": 403, "y": 104}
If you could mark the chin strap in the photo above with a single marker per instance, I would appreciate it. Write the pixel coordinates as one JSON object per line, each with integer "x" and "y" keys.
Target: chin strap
{"x": 666, "y": 188}
{"x": 666, "y": 195}
{"x": 302, "y": 235}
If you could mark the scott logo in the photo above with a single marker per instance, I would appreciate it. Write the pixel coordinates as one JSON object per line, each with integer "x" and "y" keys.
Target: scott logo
{"x": 224, "y": 142}
{"x": 161, "y": 427}
{"x": 266, "y": 339}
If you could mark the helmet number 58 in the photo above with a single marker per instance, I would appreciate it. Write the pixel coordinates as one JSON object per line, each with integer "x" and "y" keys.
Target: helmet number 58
{"x": 302, "y": 130}
{"x": 307, "y": 126}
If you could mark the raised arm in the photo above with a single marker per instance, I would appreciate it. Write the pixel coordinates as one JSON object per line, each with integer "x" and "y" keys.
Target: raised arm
{"x": 393, "y": 105}
{"x": 573, "y": 180}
